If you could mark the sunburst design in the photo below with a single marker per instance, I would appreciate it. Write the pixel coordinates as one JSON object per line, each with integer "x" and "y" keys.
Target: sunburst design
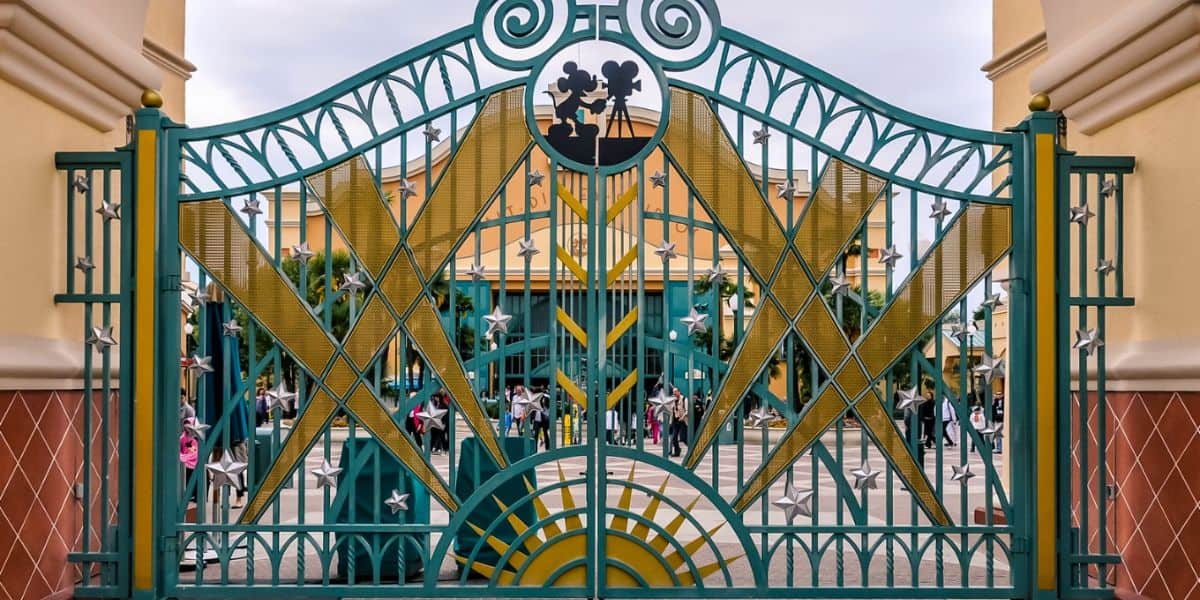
{"x": 553, "y": 552}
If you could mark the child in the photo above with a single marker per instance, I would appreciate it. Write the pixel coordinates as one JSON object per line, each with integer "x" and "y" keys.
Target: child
{"x": 978, "y": 423}
{"x": 189, "y": 452}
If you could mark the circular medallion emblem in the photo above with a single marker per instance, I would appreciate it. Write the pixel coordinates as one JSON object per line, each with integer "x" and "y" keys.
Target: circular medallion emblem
{"x": 597, "y": 104}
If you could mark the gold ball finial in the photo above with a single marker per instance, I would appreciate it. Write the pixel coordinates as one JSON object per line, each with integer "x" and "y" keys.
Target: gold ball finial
{"x": 152, "y": 99}
{"x": 1039, "y": 102}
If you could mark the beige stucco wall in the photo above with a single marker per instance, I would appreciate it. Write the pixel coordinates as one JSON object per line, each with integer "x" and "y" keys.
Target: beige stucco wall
{"x": 40, "y": 342}
{"x": 1155, "y": 344}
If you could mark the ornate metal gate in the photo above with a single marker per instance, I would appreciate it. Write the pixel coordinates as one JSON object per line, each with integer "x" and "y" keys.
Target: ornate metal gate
{"x": 595, "y": 301}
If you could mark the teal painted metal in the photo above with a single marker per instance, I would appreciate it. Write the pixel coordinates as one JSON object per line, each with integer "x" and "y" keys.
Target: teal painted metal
{"x": 105, "y": 295}
{"x": 856, "y": 543}
{"x": 1088, "y": 559}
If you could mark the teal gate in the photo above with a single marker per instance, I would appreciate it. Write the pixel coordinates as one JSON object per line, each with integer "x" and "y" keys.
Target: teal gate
{"x": 596, "y": 301}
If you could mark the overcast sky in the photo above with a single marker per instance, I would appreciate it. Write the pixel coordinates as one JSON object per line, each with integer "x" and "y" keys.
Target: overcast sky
{"x": 257, "y": 55}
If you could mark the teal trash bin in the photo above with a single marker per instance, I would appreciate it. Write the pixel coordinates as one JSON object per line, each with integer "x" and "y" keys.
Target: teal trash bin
{"x": 475, "y": 467}
{"x": 373, "y": 468}
{"x": 262, "y": 455}
{"x": 728, "y": 433}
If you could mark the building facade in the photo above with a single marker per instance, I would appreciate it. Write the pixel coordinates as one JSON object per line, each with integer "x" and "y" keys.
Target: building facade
{"x": 71, "y": 75}
{"x": 1126, "y": 76}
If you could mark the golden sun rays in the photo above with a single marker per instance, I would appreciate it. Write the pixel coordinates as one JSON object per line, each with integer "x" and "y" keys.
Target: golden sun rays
{"x": 638, "y": 551}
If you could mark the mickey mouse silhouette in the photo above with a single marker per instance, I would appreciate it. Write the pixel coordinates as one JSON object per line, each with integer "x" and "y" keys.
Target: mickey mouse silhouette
{"x": 621, "y": 85}
{"x": 578, "y": 83}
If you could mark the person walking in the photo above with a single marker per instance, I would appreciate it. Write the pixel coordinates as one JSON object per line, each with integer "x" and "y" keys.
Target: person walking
{"x": 927, "y": 415}
{"x": 679, "y": 428}
{"x": 262, "y": 407}
{"x": 519, "y": 411}
{"x": 653, "y": 423}
{"x": 948, "y": 418}
{"x": 998, "y": 423}
{"x": 612, "y": 423}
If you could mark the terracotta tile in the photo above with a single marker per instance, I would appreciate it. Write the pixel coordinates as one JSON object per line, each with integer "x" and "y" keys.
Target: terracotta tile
{"x": 8, "y": 463}
{"x": 15, "y": 572}
{"x": 1176, "y": 499}
{"x": 1177, "y": 425}
{"x": 36, "y": 528}
{"x": 1137, "y": 562}
{"x": 17, "y": 427}
{"x": 1156, "y": 529}
{"x": 1156, "y": 588}
{"x": 1176, "y": 571}
{"x": 1189, "y": 535}
{"x": 14, "y": 502}
{"x": 1136, "y": 492}
{"x": 1188, "y": 460}
{"x": 1137, "y": 423}
{"x": 1156, "y": 459}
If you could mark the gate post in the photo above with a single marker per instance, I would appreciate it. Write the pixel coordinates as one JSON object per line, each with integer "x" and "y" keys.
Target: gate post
{"x": 155, "y": 375}
{"x": 1034, "y": 368}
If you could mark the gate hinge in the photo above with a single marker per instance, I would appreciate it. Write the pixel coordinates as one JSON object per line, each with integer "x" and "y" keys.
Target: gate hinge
{"x": 171, "y": 283}
{"x": 1020, "y": 544}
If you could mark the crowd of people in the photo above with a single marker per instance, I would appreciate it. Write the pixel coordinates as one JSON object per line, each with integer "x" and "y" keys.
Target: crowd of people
{"x": 981, "y": 417}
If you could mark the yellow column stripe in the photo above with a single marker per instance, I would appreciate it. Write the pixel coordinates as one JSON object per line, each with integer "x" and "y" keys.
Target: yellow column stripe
{"x": 617, "y": 208}
{"x": 573, "y": 390}
{"x": 615, "y": 272}
{"x": 1045, "y": 374}
{"x": 143, "y": 383}
{"x": 571, "y": 202}
{"x": 621, "y": 327}
{"x": 622, "y": 388}
{"x": 565, "y": 258}
{"x": 570, "y": 325}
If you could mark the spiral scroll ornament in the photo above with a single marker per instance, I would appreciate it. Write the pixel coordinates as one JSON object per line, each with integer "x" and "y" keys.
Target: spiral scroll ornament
{"x": 509, "y": 31}
{"x": 681, "y": 32}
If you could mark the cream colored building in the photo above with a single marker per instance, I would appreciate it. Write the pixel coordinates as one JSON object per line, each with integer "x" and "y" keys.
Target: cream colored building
{"x": 1126, "y": 75}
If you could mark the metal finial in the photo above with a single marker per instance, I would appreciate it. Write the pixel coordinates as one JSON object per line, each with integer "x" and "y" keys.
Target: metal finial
{"x": 1040, "y": 102}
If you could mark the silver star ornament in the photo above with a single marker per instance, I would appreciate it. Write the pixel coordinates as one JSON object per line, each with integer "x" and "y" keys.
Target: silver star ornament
{"x": 109, "y": 211}
{"x": 352, "y": 283}
{"x": 761, "y": 417}
{"x": 865, "y": 477}
{"x": 909, "y": 398}
{"x": 280, "y": 397}
{"x": 989, "y": 367}
{"x": 301, "y": 253}
{"x": 715, "y": 274}
{"x": 497, "y": 321}
{"x": 431, "y": 133}
{"x": 396, "y": 501}
{"x": 251, "y": 207}
{"x": 85, "y": 264}
{"x": 476, "y": 272}
{"x": 786, "y": 190}
{"x": 959, "y": 332}
{"x": 839, "y": 285}
{"x": 326, "y": 475}
{"x": 230, "y": 328}
{"x": 1105, "y": 266}
{"x": 961, "y": 474}
{"x": 1088, "y": 340}
{"x": 431, "y": 417}
{"x": 992, "y": 302}
{"x": 81, "y": 184}
{"x": 527, "y": 249}
{"x": 762, "y": 135}
{"x": 795, "y": 502}
{"x": 939, "y": 210}
{"x": 224, "y": 472}
{"x": 407, "y": 189}
{"x": 695, "y": 322}
{"x": 666, "y": 251}
{"x": 102, "y": 338}
{"x": 658, "y": 179}
{"x": 1108, "y": 188}
{"x": 1081, "y": 214}
{"x": 534, "y": 179}
{"x": 890, "y": 256}
{"x": 201, "y": 364}
{"x": 663, "y": 402}
{"x": 195, "y": 428}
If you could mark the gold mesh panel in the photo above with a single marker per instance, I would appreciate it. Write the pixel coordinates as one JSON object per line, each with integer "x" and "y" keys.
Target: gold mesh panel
{"x": 852, "y": 380}
{"x": 819, "y": 417}
{"x": 370, "y": 333}
{"x": 822, "y": 334}
{"x": 213, "y": 236}
{"x": 837, "y": 208}
{"x": 358, "y": 210}
{"x": 972, "y": 246}
{"x": 878, "y": 422}
{"x": 762, "y": 337}
{"x": 373, "y": 416}
{"x": 792, "y": 286}
{"x": 400, "y": 285}
{"x": 341, "y": 378}
{"x": 489, "y": 150}
{"x": 707, "y": 157}
{"x": 306, "y": 428}
{"x": 427, "y": 333}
